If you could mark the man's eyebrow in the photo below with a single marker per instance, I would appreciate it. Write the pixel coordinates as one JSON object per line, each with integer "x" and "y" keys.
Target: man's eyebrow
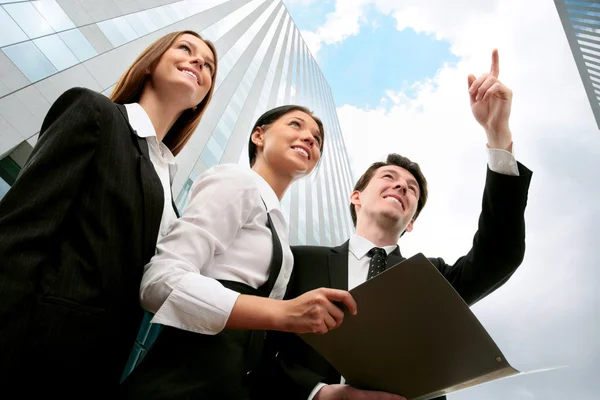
{"x": 388, "y": 170}
{"x": 412, "y": 181}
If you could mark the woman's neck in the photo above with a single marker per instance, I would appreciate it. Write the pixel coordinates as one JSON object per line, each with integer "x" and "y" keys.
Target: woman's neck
{"x": 162, "y": 112}
{"x": 278, "y": 182}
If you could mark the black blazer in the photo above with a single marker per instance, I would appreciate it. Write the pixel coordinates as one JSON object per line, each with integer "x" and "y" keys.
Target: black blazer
{"x": 76, "y": 230}
{"x": 498, "y": 249}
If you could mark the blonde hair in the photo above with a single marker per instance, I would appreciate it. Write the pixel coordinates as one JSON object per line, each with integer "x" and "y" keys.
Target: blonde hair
{"x": 131, "y": 84}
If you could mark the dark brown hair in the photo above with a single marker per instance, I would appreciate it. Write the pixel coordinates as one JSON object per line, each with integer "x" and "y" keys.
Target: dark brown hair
{"x": 273, "y": 115}
{"x": 399, "y": 161}
{"x": 131, "y": 84}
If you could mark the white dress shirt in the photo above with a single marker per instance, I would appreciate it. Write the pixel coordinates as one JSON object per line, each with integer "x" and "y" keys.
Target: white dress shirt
{"x": 162, "y": 159}
{"x": 222, "y": 234}
{"x": 499, "y": 161}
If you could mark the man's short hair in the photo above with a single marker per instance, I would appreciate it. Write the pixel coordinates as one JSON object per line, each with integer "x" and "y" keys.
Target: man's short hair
{"x": 402, "y": 162}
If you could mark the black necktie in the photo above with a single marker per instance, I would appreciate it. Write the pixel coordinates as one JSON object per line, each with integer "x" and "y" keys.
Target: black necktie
{"x": 378, "y": 262}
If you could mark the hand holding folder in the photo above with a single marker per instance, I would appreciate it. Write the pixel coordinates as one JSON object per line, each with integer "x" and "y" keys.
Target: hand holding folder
{"x": 413, "y": 336}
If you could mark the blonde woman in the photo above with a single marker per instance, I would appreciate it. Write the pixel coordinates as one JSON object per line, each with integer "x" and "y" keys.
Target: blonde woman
{"x": 84, "y": 217}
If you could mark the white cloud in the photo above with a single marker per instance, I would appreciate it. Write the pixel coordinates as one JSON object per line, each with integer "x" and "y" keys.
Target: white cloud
{"x": 547, "y": 314}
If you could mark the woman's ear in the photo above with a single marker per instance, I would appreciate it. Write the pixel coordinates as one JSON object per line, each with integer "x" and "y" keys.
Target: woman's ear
{"x": 258, "y": 135}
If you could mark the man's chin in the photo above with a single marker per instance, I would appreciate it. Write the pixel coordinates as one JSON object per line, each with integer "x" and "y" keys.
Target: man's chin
{"x": 391, "y": 218}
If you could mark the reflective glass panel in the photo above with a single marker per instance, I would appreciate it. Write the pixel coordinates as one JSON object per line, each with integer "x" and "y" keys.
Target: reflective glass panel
{"x": 11, "y": 33}
{"x": 30, "y": 60}
{"x": 56, "y": 51}
{"x": 54, "y": 15}
{"x": 29, "y": 19}
{"x": 78, "y": 44}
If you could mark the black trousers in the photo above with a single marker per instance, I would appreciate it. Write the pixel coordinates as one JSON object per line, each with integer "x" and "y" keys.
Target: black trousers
{"x": 188, "y": 365}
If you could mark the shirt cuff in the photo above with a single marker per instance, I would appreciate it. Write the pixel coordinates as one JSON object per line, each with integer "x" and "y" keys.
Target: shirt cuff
{"x": 316, "y": 390}
{"x": 502, "y": 162}
{"x": 198, "y": 304}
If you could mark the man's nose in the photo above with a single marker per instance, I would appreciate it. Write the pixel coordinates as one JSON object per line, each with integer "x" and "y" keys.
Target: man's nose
{"x": 400, "y": 187}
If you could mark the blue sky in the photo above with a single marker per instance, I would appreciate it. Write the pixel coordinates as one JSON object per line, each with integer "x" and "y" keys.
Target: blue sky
{"x": 380, "y": 58}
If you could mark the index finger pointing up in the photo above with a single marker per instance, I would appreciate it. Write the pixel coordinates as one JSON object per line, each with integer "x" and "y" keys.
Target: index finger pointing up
{"x": 495, "y": 70}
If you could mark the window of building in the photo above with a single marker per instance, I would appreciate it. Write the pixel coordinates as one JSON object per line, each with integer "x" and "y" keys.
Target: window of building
{"x": 54, "y": 15}
{"x": 30, "y": 60}
{"x": 29, "y": 19}
{"x": 147, "y": 25}
{"x": 137, "y": 24}
{"x": 56, "y": 51}
{"x": 208, "y": 158}
{"x": 11, "y": 33}
{"x": 117, "y": 31}
{"x": 157, "y": 18}
{"x": 78, "y": 44}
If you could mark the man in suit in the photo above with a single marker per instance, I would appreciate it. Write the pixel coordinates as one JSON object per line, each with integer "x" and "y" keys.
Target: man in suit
{"x": 385, "y": 204}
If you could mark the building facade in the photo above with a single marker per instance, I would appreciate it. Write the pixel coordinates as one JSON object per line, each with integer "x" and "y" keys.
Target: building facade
{"x": 581, "y": 22}
{"x": 49, "y": 46}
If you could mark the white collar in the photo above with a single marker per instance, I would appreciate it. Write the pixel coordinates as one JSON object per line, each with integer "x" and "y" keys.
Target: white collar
{"x": 142, "y": 126}
{"x": 359, "y": 246}
{"x": 139, "y": 120}
{"x": 266, "y": 192}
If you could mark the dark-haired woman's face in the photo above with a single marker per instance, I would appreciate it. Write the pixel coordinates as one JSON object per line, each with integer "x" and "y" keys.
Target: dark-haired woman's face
{"x": 185, "y": 71}
{"x": 292, "y": 144}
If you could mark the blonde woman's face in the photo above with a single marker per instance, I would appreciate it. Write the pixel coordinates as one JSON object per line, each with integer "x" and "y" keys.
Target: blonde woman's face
{"x": 185, "y": 70}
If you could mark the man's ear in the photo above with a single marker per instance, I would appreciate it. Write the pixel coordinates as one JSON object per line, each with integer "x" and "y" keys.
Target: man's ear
{"x": 355, "y": 198}
{"x": 409, "y": 227}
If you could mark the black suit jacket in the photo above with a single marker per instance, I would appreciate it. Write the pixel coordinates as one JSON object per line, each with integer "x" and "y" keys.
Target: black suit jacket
{"x": 76, "y": 230}
{"x": 498, "y": 249}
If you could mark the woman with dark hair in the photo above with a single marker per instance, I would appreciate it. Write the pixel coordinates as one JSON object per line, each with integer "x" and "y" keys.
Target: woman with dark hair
{"x": 84, "y": 217}
{"x": 218, "y": 277}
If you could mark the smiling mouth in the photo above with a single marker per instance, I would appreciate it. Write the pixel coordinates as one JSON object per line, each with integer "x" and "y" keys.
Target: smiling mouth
{"x": 301, "y": 151}
{"x": 191, "y": 74}
{"x": 394, "y": 200}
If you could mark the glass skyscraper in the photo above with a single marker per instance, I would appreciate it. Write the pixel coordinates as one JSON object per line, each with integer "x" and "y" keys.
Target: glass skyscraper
{"x": 49, "y": 46}
{"x": 581, "y": 22}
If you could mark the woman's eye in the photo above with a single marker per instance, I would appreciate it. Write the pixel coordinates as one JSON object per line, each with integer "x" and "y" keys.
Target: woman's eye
{"x": 185, "y": 48}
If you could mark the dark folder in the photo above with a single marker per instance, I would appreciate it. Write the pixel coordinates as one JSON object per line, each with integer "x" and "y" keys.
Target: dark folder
{"x": 413, "y": 336}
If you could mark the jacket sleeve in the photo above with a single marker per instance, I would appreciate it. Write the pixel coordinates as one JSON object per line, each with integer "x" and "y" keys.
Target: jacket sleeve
{"x": 499, "y": 244}
{"x": 33, "y": 210}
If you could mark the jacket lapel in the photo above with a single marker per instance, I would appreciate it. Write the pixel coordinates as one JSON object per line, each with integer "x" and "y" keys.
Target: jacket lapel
{"x": 151, "y": 188}
{"x": 394, "y": 258}
{"x": 338, "y": 267}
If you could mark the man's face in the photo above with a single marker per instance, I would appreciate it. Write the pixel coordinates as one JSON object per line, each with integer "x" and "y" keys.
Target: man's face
{"x": 391, "y": 197}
